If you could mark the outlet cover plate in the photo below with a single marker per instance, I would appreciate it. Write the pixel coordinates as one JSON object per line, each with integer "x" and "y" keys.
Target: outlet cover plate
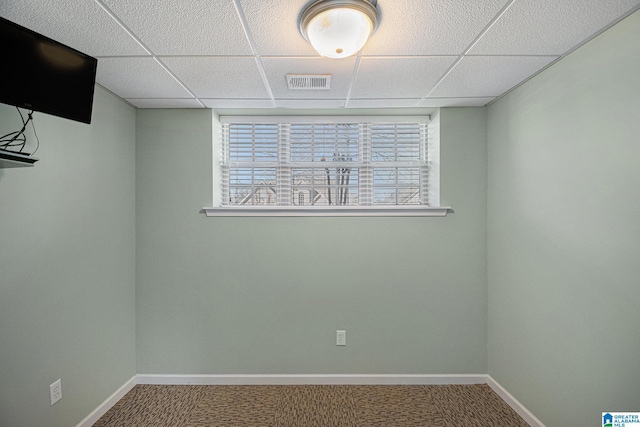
{"x": 55, "y": 392}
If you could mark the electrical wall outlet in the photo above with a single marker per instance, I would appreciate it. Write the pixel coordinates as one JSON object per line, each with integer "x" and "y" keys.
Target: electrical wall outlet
{"x": 341, "y": 337}
{"x": 55, "y": 392}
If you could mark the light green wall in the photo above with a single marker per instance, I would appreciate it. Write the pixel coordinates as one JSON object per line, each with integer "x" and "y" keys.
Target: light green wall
{"x": 67, "y": 255}
{"x": 266, "y": 295}
{"x": 564, "y": 234}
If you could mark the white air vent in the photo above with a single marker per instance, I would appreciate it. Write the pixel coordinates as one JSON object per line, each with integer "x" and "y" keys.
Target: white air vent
{"x": 309, "y": 81}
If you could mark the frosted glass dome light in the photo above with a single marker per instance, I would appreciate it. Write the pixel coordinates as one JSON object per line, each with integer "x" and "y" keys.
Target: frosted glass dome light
{"x": 338, "y": 29}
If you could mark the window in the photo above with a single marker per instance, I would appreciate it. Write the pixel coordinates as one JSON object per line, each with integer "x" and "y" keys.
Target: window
{"x": 324, "y": 164}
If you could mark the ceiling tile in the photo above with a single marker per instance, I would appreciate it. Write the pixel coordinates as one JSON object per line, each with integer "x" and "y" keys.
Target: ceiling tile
{"x": 398, "y": 77}
{"x": 488, "y": 76}
{"x": 217, "y": 77}
{"x": 274, "y": 26}
{"x": 341, "y": 71}
{"x": 310, "y": 103}
{"x": 194, "y": 27}
{"x": 456, "y": 102}
{"x": 138, "y": 77}
{"x": 83, "y": 25}
{"x": 549, "y": 27}
{"x": 435, "y": 27}
{"x": 164, "y": 103}
{"x": 238, "y": 103}
{"x": 383, "y": 103}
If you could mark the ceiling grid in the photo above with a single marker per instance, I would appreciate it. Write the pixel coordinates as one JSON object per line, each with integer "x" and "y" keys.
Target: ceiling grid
{"x": 232, "y": 54}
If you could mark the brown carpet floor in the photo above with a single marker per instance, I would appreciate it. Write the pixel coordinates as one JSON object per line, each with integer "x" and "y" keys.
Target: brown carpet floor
{"x": 311, "y": 406}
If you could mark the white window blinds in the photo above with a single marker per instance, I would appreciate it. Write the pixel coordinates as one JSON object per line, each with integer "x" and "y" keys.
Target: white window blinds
{"x": 319, "y": 163}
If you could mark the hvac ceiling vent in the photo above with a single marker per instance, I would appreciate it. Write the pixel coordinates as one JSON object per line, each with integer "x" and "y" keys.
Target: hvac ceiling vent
{"x": 309, "y": 81}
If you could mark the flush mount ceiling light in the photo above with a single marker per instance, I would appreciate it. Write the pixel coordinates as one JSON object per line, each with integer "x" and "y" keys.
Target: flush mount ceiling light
{"x": 338, "y": 28}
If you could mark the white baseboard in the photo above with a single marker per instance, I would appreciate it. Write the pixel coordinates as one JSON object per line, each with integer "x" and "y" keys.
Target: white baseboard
{"x": 107, "y": 404}
{"x": 514, "y": 403}
{"x": 311, "y": 379}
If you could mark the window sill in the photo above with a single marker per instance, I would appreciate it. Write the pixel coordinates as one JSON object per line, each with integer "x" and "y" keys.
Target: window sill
{"x": 361, "y": 211}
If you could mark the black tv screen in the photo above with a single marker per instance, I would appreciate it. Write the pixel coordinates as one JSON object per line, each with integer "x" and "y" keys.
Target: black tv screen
{"x": 41, "y": 74}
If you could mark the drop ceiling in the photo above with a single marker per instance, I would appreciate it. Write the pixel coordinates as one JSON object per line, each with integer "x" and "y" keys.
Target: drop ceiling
{"x": 236, "y": 53}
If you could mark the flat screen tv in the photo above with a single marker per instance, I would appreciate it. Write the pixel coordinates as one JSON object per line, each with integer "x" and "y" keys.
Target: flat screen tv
{"x": 41, "y": 74}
